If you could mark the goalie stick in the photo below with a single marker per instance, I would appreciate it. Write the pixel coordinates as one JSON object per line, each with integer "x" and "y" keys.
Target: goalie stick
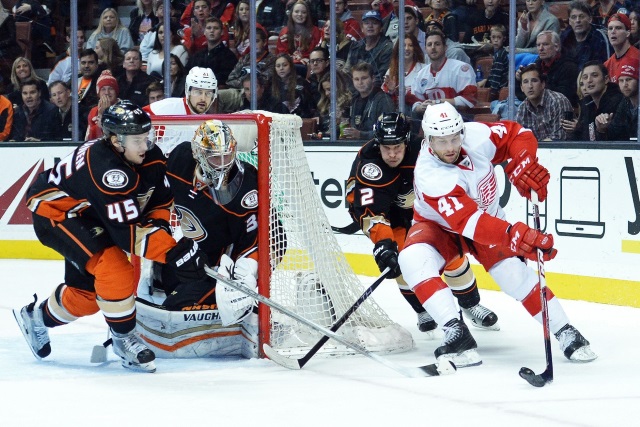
{"x": 422, "y": 371}
{"x": 545, "y": 377}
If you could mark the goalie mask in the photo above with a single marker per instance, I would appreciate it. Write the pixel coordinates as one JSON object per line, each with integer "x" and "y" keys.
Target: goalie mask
{"x": 214, "y": 149}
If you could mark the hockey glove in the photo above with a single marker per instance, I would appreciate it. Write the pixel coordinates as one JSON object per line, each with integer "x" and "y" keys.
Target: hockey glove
{"x": 525, "y": 241}
{"x": 526, "y": 174}
{"x": 156, "y": 222}
{"x": 234, "y": 305}
{"x": 385, "y": 252}
{"x": 187, "y": 260}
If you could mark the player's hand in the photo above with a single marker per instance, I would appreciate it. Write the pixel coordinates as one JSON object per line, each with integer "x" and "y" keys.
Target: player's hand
{"x": 525, "y": 241}
{"x": 156, "y": 222}
{"x": 187, "y": 260}
{"x": 526, "y": 174}
{"x": 385, "y": 252}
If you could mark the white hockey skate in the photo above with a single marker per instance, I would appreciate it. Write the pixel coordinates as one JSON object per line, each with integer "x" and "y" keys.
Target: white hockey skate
{"x": 481, "y": 317}
{"x": 458, "y": 345}
{"x": 134, "y": 353}
{"x": 574, "y": 346}
{"x": 30, "y": 321}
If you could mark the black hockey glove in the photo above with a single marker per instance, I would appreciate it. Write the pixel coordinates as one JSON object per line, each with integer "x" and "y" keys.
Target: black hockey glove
{"x": 187, "y": 260}
{"x": 385, "y": 253}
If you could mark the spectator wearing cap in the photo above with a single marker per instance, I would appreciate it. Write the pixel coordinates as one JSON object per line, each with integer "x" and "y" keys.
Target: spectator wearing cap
{"x": 32, "y": 120}
{"x": 108, "y": 90}
{"x": 542, "y": 109}
{"x": 582, "y": 40}
{"x": 413, "y": 20}
{"x": 454, "y": 49}
{"x": 623, "y": 124}
{"x": 391, "y": 21}
{"x": 619, "y": 33}
{"x": 374, "y": 49}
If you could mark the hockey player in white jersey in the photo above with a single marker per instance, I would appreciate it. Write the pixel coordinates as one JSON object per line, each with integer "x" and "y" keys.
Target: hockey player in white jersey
{"x": 201, "y": 90}
{"x": 457, "y": 211}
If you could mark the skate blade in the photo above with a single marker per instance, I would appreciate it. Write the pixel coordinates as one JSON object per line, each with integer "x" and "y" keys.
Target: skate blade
{"x": 98, "y": 354}
{"x": 149, "y": 367}
{"x": 18, "y": 317}
{"x": 474, "y": 322}
{"x": 583, "y": 355}
{"x": 463, "y": 360}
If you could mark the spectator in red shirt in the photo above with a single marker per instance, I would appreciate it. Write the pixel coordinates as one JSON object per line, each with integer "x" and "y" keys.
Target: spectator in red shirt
{"x": 299, "y": 37}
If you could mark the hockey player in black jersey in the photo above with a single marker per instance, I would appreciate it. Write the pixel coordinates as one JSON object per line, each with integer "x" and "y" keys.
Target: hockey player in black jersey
{"x": 107, "y": 198}
{"x": 380, "y": 196}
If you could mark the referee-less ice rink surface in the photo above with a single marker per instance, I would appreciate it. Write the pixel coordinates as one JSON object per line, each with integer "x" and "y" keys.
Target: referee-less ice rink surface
{"x": 65, "y": 389}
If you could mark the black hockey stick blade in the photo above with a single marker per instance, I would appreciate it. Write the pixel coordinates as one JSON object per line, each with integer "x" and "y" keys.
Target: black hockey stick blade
{"x": 536, "y": 380}
{"x": 406, "y": 371}
{"x": 352, "y": 228}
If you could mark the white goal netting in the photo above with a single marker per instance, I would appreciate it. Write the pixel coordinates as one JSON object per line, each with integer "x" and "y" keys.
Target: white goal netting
{"x": 305, "y": 268}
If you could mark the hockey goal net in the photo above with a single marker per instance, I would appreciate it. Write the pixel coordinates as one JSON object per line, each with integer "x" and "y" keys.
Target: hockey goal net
{"x": 313, "y": 277}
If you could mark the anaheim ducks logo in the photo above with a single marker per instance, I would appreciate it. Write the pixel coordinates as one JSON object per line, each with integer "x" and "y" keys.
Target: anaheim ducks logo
{"x": 405, "y": 201}
{"x": 190, "y": 224}
{"x": 115, "y": 178}
{"x": 371, "y": 171}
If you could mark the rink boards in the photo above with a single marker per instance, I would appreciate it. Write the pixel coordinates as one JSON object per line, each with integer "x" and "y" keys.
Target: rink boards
{"x": 593, "y": 211}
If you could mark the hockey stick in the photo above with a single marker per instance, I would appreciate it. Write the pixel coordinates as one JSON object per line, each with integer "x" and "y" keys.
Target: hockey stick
{"x": 547, "y": 376}
{"x": 352, "y": 228}
{"x": 423, "y": 371}
{"x": 299, "y": 363}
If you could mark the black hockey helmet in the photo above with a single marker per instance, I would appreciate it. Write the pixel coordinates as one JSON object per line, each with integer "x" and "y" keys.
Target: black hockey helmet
{"x": 125, "y": 118}
{"x": 392, "y": 129}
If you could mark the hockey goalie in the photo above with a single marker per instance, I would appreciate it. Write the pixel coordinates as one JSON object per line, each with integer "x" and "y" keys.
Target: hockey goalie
{"x": 216, "y": 203}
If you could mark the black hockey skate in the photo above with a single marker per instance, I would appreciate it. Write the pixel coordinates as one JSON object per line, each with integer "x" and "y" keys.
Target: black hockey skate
{"x": 481, "y": 317}
{"x": 458, "y": 345}
{"x": 426, "y": 322}
{"x": 574, "y": 346}
{"x": 31, "y": 324}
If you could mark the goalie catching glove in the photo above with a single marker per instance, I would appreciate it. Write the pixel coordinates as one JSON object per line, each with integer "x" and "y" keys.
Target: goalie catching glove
{"x": 385, "y": 252}
{"x": 187, "y": 260}
{"x": 525, "y": 241}
{"x": 233, "y": 305}
{"x": 526, "y": 174}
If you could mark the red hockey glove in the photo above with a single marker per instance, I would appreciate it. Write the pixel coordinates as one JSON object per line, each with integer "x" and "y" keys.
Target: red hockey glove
{"x": 524, "y": 240}
{"x": 526, "y": 174}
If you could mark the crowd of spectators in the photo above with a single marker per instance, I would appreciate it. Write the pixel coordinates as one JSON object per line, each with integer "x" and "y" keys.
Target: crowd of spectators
{"x": 576, "y": 79}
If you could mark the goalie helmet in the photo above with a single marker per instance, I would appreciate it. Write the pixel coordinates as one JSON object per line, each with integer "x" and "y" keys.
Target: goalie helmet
{"x": 125, "y": 118}
{"x": 214, "y": 149}
{"x": 442, "y": 120}
{"x": 201, "y": 78}
{"x": 392, "y": 129}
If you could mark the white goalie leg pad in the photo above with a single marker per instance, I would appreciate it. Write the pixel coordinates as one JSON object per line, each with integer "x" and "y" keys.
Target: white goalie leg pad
{"x": 234, "y": 305}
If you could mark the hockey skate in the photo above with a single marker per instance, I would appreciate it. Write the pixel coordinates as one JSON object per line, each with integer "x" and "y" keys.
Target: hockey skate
{"x": 481, "y": 317}
{"x": 31, "y": 324}
{"x": 574, "y": 346}
{"x": 134, "y": 354}
{"x": 458, "y": 345}
{"x": 426, "y": 323}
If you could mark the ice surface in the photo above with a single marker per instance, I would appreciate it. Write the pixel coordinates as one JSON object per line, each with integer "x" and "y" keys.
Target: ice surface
{"x": 65, "y": 389}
